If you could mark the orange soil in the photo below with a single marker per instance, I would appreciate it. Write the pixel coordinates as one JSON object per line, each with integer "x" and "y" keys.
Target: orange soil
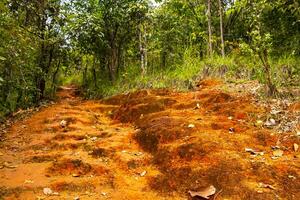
{"x": 154, "y": 144}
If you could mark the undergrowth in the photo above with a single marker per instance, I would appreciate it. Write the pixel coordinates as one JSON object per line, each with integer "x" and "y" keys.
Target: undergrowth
{"x": 181, "y": 77}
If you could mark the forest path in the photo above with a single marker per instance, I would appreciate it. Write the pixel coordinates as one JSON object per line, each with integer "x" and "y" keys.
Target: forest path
{"x": 75, "y": 150}
{"x": 152, "y": 144}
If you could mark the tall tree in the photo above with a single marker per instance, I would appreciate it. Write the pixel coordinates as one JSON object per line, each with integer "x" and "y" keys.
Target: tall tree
{"x": 221, "y": 28}
{"x": 210, "y": 48}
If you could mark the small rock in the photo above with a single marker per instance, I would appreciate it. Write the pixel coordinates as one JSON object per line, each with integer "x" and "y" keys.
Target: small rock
{"x": 230, "y": 117}
{"x": 47, "y": 191}
{"x": 76, "y": 198}
{"x": 103, "y": 193}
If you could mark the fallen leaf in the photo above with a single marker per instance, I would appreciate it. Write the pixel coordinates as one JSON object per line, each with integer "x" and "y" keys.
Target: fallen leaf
{"x": 55, "y": 193}
{"x": 94, "y": 139}
{"x": 254, "y": 152}
{"x": 291, "y": 176}
{"x": 1, "y": 154}
{"x": 7, "y": 165}
{"x": 63, "y": 123}
{"x": 259, "y": 122}
{"x": 47, "y": 191}
{"x": 296, "y": 147}
{"x": 205, "y": 193}
{"x": 143, "y": 173}
{"x": 191, "y": 126}
{"x": 231, "y": 130}
{"x": 270, "y": 122}
{"x": 263, "y": 185}
{"x": 76, "y": 198}
{"x": 76, "y": 175}
{"x": 28, "y": 181}
{"x": 103, "y": 193}
{"x": 277, "y": 153}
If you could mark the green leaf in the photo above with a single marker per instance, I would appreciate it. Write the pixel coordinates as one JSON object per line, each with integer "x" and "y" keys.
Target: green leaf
{"x": 2, "y": 58}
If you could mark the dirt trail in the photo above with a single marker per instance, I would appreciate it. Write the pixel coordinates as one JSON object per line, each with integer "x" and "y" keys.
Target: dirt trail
{"x": 149, "y": 145}
{"x": 93, "y": 157}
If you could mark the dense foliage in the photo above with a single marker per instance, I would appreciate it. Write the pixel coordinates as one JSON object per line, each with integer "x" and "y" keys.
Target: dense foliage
{"x": 109, "y": 46}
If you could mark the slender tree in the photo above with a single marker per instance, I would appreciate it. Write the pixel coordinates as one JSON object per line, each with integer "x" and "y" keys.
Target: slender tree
{"x": 221, "y": 28}
{"x": 210, "y": 48}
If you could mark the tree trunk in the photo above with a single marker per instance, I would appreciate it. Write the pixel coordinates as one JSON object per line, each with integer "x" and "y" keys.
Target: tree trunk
{"x": 141, "y": 49}
{"x": 210, "y": 49}
{"x": 271, "y": 88}
{"x": 113, "y": 64}
{"x": 85, "y": 84}
{"x": 54, "y": 76}
{"x": 94, "y": 73}
{"x": 145, "y": 50}
{"x": 221, "y": 28}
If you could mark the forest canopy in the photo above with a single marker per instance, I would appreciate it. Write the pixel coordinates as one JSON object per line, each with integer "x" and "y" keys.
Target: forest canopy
{"x": 111, "y": 46}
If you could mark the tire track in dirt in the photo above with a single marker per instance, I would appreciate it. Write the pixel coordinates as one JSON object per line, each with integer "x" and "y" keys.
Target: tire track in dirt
{"x": 92, "y": 157}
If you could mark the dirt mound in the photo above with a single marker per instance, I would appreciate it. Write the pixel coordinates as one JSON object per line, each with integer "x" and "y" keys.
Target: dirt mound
{"x": 69, "y": 167}
{"x": 137, "y": 106}
{"x": 159, "y": 130}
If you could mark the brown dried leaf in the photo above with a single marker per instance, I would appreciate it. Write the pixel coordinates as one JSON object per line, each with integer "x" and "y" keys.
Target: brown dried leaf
{"x": 205, "y": 193}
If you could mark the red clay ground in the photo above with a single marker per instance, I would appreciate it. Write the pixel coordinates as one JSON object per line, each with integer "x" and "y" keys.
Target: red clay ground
{"x": 155, "y": 144}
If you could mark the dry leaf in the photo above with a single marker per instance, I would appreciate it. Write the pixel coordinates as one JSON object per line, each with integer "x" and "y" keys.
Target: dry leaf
{"x": 278, "y": 153}
{"x": 63, "y": 123}
{"x": 191, "y": 126}
{"x": 47, "y": 191}
{"x": 28, "y": 181}
{"x": 7, "y": 165}
{"x": 205, "y": 193}
{"x": 253, "y": 152}
{"x": 296, "y": 147}
{"x": 76, "y": 175}
{"x": 263, "y": 185}
{"x": 143, "y": 173}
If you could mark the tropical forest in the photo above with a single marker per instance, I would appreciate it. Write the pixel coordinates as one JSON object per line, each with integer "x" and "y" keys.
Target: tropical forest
{"x": 149, "y": 99}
